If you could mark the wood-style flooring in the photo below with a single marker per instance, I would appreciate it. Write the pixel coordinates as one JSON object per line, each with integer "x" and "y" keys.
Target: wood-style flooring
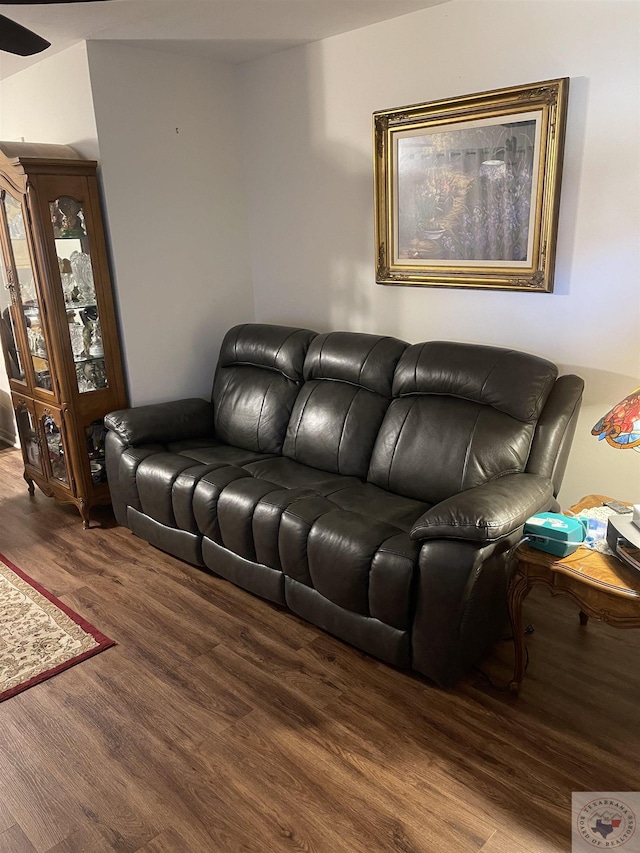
{"x": 220, "y": 723}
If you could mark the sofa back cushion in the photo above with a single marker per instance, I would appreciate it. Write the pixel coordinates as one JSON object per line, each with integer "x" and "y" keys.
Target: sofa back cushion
{"x": 336, "y": 417}
{"x": 257, "y": 380}
{"x": 462, "y": 415}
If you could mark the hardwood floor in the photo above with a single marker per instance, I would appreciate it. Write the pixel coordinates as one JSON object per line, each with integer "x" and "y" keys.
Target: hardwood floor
{"x": 222, "y": 723}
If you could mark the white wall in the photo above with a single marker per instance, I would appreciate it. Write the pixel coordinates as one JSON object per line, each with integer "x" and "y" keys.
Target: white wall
{"x": 51, "y": 102}
{"x": 173, "y": 197}
{"x": 308, "y": 171}
{"x": 47, "y": 102}
{"x": 173, "y": 189}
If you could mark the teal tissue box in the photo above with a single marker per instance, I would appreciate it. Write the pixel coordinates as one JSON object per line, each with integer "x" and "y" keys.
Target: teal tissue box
{"x": 556, "y": 534}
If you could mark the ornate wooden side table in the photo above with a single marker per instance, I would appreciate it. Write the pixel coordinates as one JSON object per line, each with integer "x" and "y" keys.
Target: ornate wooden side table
{"x": 602, "y": 586}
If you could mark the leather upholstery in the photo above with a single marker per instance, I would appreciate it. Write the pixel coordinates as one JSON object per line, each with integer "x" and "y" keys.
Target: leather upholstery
{"x": 187, "y": 546}
{"x": 375, "y": 488}
{"x": 190, "y": 419}
{"x": 206, "y": 494}
{"x": 261, "y": 580}
{"x": 360, "y": 564}
{"x": 293, "y": 475}
{"x": 371, "y": 635}
{"x": 511, "y": 382}
{"x": 460, "y": 604}
{"x": 257, "y": 382}
{"x": 155, "y": 478}
{"x": 555, "y": 430}
{"x": 487, "y": 512}
{"x": 339, "y": 410}
{"x": 462, "y": 415}
{"x": 122, "y": 467}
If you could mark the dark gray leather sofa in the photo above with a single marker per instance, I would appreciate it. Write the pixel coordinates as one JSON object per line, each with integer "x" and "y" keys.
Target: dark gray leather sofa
{"x": 374, "y": 488}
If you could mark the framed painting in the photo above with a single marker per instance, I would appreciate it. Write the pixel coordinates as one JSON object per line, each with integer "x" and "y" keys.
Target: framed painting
{"x": 467, "y": 190}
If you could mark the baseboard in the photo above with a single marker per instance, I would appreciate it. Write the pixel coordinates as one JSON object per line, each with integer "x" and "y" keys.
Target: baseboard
{"x": 8, "y": 438}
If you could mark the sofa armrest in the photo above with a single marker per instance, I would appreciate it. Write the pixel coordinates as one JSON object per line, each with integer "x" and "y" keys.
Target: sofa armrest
{"x": 487, "y": 512}
{"x": 162, "y": 422}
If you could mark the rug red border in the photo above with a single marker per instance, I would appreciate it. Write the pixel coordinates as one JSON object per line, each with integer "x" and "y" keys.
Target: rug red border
{"x": 103, "y": 641}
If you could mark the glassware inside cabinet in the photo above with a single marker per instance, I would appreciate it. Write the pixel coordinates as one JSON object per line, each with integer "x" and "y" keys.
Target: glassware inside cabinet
{"x": 55, "y": 449}
{"x": 96, "y": 434}
{"x": 76, "y": 275}
{"x": 26, "y": 289}
{"x": 29, "y": 439}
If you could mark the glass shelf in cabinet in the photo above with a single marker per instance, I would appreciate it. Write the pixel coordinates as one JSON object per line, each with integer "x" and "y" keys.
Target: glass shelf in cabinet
{"x": 79, "y": 306}
{"x": 81, "y": 359}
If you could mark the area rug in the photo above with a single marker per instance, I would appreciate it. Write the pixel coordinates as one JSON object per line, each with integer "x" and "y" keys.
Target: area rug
{"x": 39, "y": 635}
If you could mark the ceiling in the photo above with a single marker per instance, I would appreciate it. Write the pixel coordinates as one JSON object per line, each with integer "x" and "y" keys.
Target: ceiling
{"x": 234, "y": 30}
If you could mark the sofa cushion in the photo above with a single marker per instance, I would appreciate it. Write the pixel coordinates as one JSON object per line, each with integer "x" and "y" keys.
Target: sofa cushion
{"x": 206, "y": 494}
{"x": 339, "y": 410}
{"x": 215, "y": 452}
{"x": 249, "y": 512}
{"x": 365, "y": 360}
{"x": 166, "y": 480}
{"x": 378, "y": 505}
{"x": 462, "y": 416}
{"x": 294, "y": 475}
{"x": 512, "y": 382}
{"x": 125, "y": 460}
{"x": 362, "y": 565}
{"x": 249, "y": 509}
{"x": 155, "y": 478}
{"x": 257, "y": 380}
{"x": 358, "y": 563}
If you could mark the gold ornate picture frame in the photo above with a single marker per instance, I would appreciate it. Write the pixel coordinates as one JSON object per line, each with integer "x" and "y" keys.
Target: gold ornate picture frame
{"x": 467, "y": 189}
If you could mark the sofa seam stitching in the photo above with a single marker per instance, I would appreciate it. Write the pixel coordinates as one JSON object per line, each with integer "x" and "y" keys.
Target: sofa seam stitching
{"x": 304, "y": 408}
{"x": 393, "y": 454}
{"x": 279, "y": 350}
{"x": 366, "y": 358}
{"x": 467, "y": 454}
{"x": 344, "y": 426}
{"x": 264, "y": 400}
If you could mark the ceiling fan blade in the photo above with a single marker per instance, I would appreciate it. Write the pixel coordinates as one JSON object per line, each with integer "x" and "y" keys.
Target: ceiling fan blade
{"x": 14, "y": 38}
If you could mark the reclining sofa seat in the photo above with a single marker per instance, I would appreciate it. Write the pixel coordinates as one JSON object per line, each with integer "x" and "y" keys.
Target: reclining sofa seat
{"x": 375, "y": 488}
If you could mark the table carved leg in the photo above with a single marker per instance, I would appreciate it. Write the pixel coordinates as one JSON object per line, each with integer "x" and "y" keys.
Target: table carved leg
{"x": 518, "y": 591}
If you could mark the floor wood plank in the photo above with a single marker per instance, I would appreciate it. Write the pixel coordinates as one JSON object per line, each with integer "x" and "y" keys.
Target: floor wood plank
{"x": 13, "y": 840}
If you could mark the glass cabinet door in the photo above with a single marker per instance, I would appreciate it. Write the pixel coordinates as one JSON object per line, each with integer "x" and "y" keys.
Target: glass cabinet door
{"x": 76, "y": 274}
{"x": 28, "y": 432}
{"x": 20, "y": 268}
{"x": 9, "y": 319}
{"x": 55, "y": 449}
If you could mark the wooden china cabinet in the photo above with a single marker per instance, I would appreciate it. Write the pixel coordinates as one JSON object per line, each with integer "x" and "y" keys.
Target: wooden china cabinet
{"x": 58, "y": 323}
